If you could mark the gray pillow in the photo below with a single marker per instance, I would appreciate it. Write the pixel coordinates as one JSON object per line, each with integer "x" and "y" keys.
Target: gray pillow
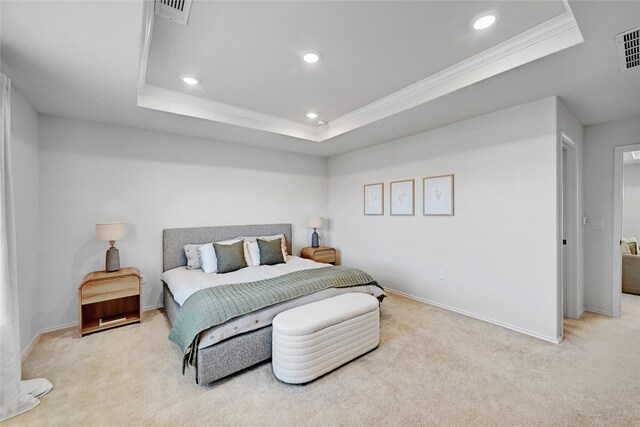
{"x": 230, "y": 257}
{"x": 193, "y": 257}
{"x": 270, "y": 251}
{"x": 632, "y": 244}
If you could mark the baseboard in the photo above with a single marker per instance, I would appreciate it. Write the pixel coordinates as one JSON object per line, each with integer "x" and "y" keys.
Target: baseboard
{"x": 35, "y": 339}
{"x": 59, "y": 327}
{"x": 555, "y": 340}
{"x": 593, "y": 310}
{"x": 27, "y": 351}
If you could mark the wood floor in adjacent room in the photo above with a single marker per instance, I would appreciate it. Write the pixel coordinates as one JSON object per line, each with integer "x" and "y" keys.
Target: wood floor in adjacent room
{"x": 433, "y": 367}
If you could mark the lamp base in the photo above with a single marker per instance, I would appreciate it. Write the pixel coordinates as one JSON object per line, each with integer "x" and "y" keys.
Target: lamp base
{"x": 314, "y": 239}
{"x": 112, "y": 262}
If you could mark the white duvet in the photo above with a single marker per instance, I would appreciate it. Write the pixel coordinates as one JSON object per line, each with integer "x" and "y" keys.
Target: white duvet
{"x": 183, "y": 282}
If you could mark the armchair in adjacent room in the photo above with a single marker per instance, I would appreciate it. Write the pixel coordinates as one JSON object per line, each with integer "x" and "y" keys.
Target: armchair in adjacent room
{"x": 630, "y": 266}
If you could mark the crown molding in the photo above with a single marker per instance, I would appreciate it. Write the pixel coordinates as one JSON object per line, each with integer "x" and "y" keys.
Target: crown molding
{"x": 549, "y": 37}
{"x": 158, "y": 98}
{"x": 147, "y": 34}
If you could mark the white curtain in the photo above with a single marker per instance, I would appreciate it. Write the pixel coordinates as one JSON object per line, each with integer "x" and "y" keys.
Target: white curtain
{"x": 16, "y": 396}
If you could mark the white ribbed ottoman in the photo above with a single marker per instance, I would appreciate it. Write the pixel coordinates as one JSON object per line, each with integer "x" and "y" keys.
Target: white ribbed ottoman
{"x": 313, "y": 339}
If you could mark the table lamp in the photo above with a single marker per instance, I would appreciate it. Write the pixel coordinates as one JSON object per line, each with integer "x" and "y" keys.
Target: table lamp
{"x": 111, "y": 232}
{"x": 315, "y": 222}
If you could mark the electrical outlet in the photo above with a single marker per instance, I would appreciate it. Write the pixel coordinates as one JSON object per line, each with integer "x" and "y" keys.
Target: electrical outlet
{"x": 441, "y": 275}
{"x": 597, "y": 223}
{"x": 143, "y": 279}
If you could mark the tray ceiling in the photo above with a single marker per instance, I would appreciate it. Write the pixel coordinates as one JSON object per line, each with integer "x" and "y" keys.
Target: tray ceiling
{"x": 81, "y": 61}
{"x": 378, "y": 58}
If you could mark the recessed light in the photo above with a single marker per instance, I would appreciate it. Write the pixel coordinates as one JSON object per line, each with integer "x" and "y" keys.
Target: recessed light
{"x": 485, "y": 20}
{"x": 311, "y": 57}
{"x": 312, "y": 115}
{"x": 190, "y": 80}
{"x": 321, "y": 122}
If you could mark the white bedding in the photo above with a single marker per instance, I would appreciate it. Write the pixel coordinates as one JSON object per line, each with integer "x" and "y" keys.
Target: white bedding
{"x": 183, "y": 282}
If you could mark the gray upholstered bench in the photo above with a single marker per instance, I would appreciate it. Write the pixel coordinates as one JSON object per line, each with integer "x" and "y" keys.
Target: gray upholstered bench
{"x": 313, "y": 339}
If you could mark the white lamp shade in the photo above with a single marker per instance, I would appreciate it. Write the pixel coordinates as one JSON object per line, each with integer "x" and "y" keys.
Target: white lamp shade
{"x": 110, "y": 231}
{"x": 315, "y": 222}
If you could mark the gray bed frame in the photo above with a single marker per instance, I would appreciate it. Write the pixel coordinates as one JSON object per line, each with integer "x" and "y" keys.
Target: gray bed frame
{"x": 236, "y": 353}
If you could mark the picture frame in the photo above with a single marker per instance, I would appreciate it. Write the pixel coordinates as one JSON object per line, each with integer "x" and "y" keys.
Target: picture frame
{"x": 438, "y": 195}
{"x": 374, "y": 199}
{"x": 402, "y": 197}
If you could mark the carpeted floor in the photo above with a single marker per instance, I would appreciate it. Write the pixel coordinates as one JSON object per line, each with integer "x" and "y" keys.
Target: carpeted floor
{"x": 433, "y": 367}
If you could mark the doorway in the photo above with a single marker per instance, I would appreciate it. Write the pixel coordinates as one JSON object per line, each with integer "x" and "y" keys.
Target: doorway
{"x": 618, "y": 200}
{"x": 565, "y": 241}
{"x": 569, "y": 290}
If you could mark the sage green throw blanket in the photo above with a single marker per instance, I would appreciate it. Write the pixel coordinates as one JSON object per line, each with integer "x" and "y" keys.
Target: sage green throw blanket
{"x": 217, "y": 304}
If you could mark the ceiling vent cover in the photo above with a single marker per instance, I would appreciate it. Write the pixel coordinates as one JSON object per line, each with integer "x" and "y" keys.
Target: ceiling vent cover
{"x": 175, "y": 10}
{"x": 629, "y": 49}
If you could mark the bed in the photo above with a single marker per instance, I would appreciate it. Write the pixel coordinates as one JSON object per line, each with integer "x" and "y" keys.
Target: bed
{"x": 243, "y": 341}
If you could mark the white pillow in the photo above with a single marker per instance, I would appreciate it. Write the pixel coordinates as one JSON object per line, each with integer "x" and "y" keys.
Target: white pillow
{"x": 275, "y": 236}
{"x": 247, "y": 254}
{"x": 207, "y": 255}
{"x": 254, "y": 253}
{"x": 208, "y": 260}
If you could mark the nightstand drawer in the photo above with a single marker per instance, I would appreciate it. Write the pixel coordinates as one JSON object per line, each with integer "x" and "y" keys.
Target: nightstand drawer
{"x": 109, "y": 289}
{"x": 325, "y": 255}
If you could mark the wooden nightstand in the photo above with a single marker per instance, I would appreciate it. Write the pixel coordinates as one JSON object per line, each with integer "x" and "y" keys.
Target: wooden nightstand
{"x": 320, "y": 254}
{"x": 107, "y": 300}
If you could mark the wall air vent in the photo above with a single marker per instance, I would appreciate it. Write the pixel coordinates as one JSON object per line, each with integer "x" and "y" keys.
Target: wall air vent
{"x": 175, "y": 10}
{"x": 629, "y": 49}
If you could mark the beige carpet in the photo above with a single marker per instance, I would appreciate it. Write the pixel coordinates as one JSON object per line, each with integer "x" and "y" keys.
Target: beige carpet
{"x": 432, "y": 367}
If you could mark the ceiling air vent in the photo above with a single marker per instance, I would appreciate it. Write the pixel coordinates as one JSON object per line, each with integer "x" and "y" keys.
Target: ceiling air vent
{"x": 175, "y": 10}
{"x": 629, "y": 49}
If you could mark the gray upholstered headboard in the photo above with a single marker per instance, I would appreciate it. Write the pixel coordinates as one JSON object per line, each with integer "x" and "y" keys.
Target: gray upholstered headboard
{"x": 173, "y": 239}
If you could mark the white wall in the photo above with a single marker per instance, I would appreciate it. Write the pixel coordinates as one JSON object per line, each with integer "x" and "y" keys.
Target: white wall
{"x": 499, "y": 252}
{"x": 631, "y": 207}
{"x": 92, "y": 172}
{"x": 599, "y": 143}
{"x": 24, "y": 158}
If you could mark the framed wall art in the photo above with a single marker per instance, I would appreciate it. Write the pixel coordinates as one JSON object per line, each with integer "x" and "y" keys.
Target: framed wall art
{"x": 403, "y": 197}
{"x": 438, "y": 195}
{"x": 374, "y": 199}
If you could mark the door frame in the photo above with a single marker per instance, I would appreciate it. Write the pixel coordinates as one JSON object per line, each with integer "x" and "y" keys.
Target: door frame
{"x": 616, "y": 237}
{"x": 572, "y": 232}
